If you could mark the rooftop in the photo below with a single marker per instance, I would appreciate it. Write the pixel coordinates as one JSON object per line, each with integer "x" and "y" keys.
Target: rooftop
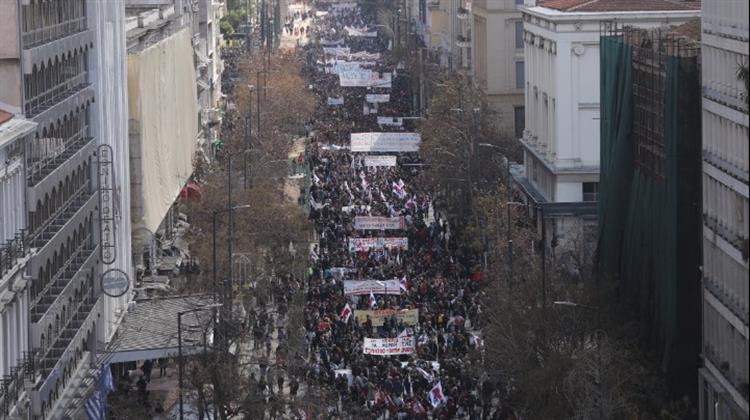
{"x": 621, "y": 5}
{"x": 12, "y": 127}
{"x": 149, "y": 328}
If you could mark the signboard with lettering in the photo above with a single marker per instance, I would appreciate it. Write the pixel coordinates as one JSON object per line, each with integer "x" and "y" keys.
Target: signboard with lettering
{"x": 107, "y": 218}
{"x": 115, "y": 282}
{"x": 389, "y": 346}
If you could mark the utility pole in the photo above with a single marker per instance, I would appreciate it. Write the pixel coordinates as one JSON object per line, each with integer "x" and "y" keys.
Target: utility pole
{"x": 248, "y": 138}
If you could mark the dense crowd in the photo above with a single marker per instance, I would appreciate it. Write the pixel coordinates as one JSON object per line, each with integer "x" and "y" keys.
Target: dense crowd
{"x": 441, "y": 377}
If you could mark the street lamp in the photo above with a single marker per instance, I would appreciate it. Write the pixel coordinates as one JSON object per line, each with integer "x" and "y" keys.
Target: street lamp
{"x": 179, "y": 348}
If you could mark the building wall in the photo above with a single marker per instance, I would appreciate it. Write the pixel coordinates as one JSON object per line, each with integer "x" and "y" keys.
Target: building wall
{"x": 110, "y": 125}
{"x": 163, "y": 112}
{"x": 724, "y": 377}
{"x": 496, "y": 53}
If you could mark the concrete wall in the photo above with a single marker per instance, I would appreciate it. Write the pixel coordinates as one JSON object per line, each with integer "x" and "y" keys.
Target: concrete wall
{"x": 163, "y": 111}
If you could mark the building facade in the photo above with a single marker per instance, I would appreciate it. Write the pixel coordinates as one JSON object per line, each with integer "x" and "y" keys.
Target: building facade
{"x": 723, "y": 389}
{"x": 498, "y": 65}
{"x": 560, "y": 172}
{"x": 50, "y": 75}
{"x": 14, "y": 255}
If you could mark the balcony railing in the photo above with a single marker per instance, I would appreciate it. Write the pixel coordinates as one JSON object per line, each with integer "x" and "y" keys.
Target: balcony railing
{"x": 11, "y": 387}
{"x": 727, "y": 95}
{"x": 38, "y": 170}
{"x": 58, "y": 220}
{"x": 49, "y": 360}
{"x": 45, "y": 100}
{"x": 36, "y": 37}
{"x": 11, "y": 251}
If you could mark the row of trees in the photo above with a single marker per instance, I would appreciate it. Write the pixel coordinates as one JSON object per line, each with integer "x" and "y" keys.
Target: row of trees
{"x": 554, "y": 347}
{"x": 267, "y": 228}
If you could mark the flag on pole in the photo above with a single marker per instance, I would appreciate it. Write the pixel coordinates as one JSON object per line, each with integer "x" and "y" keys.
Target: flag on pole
{"x": 96, "y": 406}
{"x": 346, "y": 313}
{"x": 373, "y": 302}
{"x": 436, "y": 395}
{"x": 424, "y": 374}
{"x": 404, "y": 284}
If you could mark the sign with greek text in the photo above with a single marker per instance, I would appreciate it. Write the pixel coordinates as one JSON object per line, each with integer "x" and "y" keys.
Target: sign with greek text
{"x": 384, "y": 160}
{"x": 389, "y": 346}
{"x": 376, "y": 287}
{"x": 378, "y": 223}
{"x": 385, "y": 142}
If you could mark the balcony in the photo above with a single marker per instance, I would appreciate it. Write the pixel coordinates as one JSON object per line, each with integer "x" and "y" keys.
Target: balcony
{"x": 47, "y": 44}
{"x": 54, "y": 234}
{"x": 46, "y": 100}
{"x": 51, "y": 364}
{"x": 10, "y": 252}
{"x": 727, "y": 95}
{"x": 49, "y": 33}
{"x": 62, "y": 282}
{"x": 39, "y": 170}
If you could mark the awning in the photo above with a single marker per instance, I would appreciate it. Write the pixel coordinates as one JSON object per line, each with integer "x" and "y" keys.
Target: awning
{"x": 149, "y": 329}
{"x": 191, "y": 192}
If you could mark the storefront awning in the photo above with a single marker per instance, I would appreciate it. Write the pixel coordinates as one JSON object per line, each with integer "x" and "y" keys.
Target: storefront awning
{"x": 149, "y": 329}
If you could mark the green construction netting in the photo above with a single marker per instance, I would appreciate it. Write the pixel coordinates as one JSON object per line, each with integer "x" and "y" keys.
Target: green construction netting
{"x": 650, "y": 226}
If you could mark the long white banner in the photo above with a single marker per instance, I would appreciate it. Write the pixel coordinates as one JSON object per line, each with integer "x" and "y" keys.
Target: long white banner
{"x": 380, "y": 160}
{"x": 376, "y": 287}
{"x": 352, "y": 31}
{"x": 363, "y": 244}
{"x": 397, "y": 121}
{"x": 389, "y": 346}
{"x": 378, "y": 223}
{"x": 385, "y": 142}
{"x": 336, "y": 50}
{"x": 375, "y": 98}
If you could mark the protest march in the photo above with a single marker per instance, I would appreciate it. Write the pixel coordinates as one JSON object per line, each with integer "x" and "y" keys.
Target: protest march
{"x": 392, "y": 312}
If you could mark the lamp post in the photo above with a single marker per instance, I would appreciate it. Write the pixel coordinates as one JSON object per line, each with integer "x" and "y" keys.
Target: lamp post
{"x": 179, "y": 349}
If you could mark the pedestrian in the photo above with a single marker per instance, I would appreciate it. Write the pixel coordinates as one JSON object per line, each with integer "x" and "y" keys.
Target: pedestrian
{"x": 142, "y": 393}
{"x": 280, "y": 382}
{"x": 147, "y": 366}
{"x": 293, "y": 387}
{"x": 163, "y": 366}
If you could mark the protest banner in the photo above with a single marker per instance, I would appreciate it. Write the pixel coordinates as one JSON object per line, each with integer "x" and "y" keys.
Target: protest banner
{"x": 365, "y": 287}
{"x": 384, "y": 160}
{"x": 375, "y": 98}
{"x": 388, "y": 346}
{"x": 378, "y": 316}
{"x": 385, "y": 142}
{"x": 363, "y": 32}
{"x": 379, "y": 223}
{"x": 395, "y": 121}
{"x": 335, "y": 101}
{"x": 336, "y": 50}
{"x": 363, "y": 244}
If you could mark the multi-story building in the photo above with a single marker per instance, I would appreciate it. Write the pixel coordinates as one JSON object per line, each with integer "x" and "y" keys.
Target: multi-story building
{"x": 14, "y": 254}
{"x": 166, "y": 77}
{"x": 724, "y": 376}
{"x": 50, "y": 72}
{"x": 447, "y": 33}
{"x": 498, "y": 61}
{"x": 560, "y": 172}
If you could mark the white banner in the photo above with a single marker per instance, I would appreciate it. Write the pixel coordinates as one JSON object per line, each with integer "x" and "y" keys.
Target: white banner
{"x": 335, "y": 101}
{"x": 378, "y": 223}
{"x": 395, "y": 121}
{"x": 377, "y": 98}
{"x": 384, "y": 160}
{"x": 336, "y": 50}
{"x": 389, "y": 346}
{"x": 376, "y": 287}
{"x": 385, "y": 142}
{"x": 355, "y": 78}
{"x": 352, "y": 31}
{"x": 331, "y": 42}
{"x": 363, "y": 244}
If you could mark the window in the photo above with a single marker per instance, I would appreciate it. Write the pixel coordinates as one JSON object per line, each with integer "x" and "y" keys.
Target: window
{"x": 519, "y": 2}
{"x": 519, "y": 120}
{"x": 519, "y": 34}
{"x": 590, "y": 191}
{"x": 520, "y": 79}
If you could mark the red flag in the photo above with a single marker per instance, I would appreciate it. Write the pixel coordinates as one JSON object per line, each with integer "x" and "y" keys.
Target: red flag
{"x": 346, "y": 313}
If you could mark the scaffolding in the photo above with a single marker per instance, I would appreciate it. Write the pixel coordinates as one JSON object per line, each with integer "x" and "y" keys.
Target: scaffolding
{"x": 650, "y": 186}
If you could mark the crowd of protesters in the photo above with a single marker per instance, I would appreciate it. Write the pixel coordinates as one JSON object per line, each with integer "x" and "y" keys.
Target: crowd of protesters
{"x": 441, "y": 377}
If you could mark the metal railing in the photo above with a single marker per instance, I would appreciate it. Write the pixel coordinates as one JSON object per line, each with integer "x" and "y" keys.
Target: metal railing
{"x": 45, "y": 34}
{"x": 45, "y": 100}
{"x": 12, "y": 250}
{"x": 38, "y": 170}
